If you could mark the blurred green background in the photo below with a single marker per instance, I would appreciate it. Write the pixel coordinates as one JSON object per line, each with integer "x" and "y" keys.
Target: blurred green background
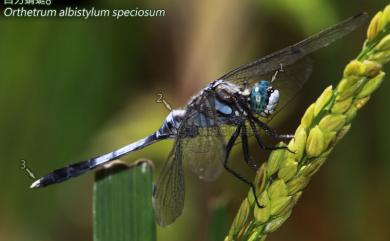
{"x": 71, "y": 89}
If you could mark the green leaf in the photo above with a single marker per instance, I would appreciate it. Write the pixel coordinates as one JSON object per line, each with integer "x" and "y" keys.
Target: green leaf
{"x": 122, "y": 203}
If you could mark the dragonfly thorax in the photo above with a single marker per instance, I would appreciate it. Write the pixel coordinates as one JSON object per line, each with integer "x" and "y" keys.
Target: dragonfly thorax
{"x": 263, "y": 98}
{"x": 172, "y": 123}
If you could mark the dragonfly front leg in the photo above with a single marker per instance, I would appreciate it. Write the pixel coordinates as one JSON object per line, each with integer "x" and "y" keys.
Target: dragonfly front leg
{"x": 245, "y": 111}
{"x": 259, "y": 140}
{"x": 229, "y": 147}
{"x": 242, "y": 105}
{"x": 271, "y": 132}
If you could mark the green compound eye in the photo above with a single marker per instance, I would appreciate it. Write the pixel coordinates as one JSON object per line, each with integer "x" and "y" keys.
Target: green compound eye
{"x": 259, "y": 96}
{"x": 263, "y": 98}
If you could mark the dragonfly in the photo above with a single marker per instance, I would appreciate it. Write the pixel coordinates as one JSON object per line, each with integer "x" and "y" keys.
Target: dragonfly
{"x": 228, "y": 111}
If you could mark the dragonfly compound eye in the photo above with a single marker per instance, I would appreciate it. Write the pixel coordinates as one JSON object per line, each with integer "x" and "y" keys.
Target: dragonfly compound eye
{"x": 263, "y": 98}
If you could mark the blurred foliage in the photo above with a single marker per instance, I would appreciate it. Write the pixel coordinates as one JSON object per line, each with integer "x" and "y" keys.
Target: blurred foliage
{"x": 71, "y": 89}
{"x": 218, "y": 219}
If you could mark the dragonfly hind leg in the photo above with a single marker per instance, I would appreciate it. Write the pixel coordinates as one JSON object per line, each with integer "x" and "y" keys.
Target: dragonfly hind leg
{"x": 245, "y": 149}
{"x": 229, "y": 147}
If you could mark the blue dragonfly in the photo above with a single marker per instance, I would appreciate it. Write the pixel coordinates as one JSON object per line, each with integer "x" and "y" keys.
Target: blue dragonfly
{"x": 233, "y": 107}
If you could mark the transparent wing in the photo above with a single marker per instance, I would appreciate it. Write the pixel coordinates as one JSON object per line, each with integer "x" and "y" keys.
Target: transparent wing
{"x": 199, "y": 141}
{"x": 204, "y": 152}
{"x": 289, "y": 82}
{"x": 169, "y": 193}
{"x": 290, "y": 55}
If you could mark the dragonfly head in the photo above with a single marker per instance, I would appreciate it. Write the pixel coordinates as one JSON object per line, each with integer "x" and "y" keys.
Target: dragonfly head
{"x": 263, "y": 98}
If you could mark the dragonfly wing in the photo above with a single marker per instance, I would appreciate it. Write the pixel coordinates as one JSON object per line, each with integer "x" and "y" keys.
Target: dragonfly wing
{"x": 290, "y": 55}
{"x": 290, "y": 82}
{"x": 169, "y": 192}
{"x": 198, "y": 130}
{"x": 205, "y": 152}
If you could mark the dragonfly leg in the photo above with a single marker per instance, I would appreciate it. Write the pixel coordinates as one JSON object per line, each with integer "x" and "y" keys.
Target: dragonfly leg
{"x": 229, "y": 147}
{"x": 242, "y": 106}
{"x": 260, "y": 141}
{"x": 245, "y": 149}
{"x": 271, "y": 132}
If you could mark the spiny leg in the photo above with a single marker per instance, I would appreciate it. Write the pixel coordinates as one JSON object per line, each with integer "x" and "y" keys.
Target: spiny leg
{"x": 229, "y": 147}
{"x": 265, "y": 128}
{"x": 271, "y": 132}
{"x": 245, "y": 149}
{"x": 259, "y": 140}
{"x": 243, "y": 107}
